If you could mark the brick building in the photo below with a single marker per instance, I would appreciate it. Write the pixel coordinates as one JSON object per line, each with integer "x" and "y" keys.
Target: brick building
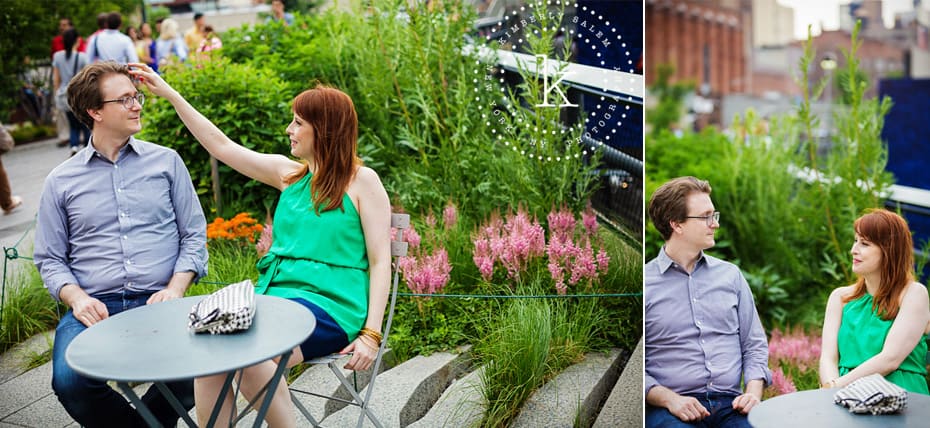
{"x": 707, "y": 41}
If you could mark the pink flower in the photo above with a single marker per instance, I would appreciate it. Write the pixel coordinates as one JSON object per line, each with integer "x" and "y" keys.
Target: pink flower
{"x": 428, "y": 274}
{"x": 430, "y": 220}
{"x": 794, "y": 348}
{"x": 781, "y": 383}
{"x": 561, "y": 222}
{"x": 602, "y": 260}
{"x": 584, "y": 266}
{"x": 589, "y": 220}
{"x": 412, "y": 237}
{"x": 449, "y": 216}
{"x": 264, "y": 241}
{"x": 558, "y": 276}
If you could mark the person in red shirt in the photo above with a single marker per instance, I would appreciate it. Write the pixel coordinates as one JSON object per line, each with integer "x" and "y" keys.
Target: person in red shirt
{"x": 58, "y": 44}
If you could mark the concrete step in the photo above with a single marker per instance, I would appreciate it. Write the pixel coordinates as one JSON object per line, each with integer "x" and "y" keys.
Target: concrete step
{"x": 462, "y": 405}
{"x": 624, "y": 407}
{"x": 575, "y": 395}
{"x": 405, "y": 393}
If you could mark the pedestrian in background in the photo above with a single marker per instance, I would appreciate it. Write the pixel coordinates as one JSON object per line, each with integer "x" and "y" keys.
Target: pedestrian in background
{"x": 111, "y": 45}
{"x": 169, "y": 47}
{"x": 196, "y": 35}
{"x": 8, "y": 201}
{"x": 65, "y": 65}
{"x": 279, "y": 15}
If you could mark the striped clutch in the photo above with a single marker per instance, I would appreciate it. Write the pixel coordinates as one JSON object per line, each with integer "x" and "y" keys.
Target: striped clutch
{"x": 872, "y": 394}
{"x": 227, "y": 310}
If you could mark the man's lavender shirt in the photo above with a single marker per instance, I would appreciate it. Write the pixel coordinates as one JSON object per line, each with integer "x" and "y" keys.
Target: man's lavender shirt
{"x": 124, "y": 226}
{"x": 702, "y": 330}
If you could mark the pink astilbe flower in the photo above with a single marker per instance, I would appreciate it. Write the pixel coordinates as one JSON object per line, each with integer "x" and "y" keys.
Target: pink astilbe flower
{"x": 512, "y": 242}
{"x": 523, "y": 239}
{"x": 483, "y": 258}
{"x": 427, "y": 274}
{"x": 579, "y": 260}
{"x": 412, "y": 237}
{"x": 558, "y": 275}
{"x": 589, "y": 220}
{"x": 781, "y": 383}
{"x": 264, "y": 241}
{"x": 430, "y": 220}
{"x": 561, "y": 223}
{"x": 450, "y": 216}
{"x": 584, "y": 265}
{"x": 602, "y": 261}
{"x": 794, "y": 348}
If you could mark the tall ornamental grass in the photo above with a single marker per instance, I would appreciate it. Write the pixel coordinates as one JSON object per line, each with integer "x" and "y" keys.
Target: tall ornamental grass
{"x": 526, "y": 345}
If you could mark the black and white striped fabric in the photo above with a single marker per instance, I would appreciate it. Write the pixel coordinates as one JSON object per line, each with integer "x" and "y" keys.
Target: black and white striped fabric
{"x": 872, "y": 394}
{"x": 227, "y": 310}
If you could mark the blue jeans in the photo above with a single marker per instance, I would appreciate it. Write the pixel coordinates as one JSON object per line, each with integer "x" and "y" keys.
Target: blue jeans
{"x": 91, "y": 402}
{"x": 720, "y": 406}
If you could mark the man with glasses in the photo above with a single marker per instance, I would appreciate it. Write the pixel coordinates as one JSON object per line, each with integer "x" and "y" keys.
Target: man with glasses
{"x": 119, "y": 226}
{"x": 703, "y": 334}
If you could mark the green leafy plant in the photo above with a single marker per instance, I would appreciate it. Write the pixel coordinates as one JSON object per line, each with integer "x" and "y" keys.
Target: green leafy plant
{"x": 250, "y": 105}
{"x": 28, "y": 309}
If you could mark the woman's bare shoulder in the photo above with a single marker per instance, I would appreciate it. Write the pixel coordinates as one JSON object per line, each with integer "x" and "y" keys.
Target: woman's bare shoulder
{"x": 843, "y": 292}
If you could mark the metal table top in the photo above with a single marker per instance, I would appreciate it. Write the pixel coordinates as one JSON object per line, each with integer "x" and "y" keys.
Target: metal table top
{"x": 815, "y": 408}
{"x": 152, "y": 343}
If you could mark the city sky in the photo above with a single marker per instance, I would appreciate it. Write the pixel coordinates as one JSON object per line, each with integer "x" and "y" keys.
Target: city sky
{"x": 827, "y": 12}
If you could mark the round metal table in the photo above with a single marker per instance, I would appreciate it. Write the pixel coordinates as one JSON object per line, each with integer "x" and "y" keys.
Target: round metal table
{"x": 815, "y": 408}
{"x": 153, "y": 344}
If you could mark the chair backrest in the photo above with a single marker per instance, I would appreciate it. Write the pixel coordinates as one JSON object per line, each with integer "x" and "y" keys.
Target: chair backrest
{"x": 399, "y": 246}
{"x": 401, "y": 222}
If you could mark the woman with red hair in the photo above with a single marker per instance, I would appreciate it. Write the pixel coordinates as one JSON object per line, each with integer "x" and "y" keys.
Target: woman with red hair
{"x": 877, "y": 324}
{"x": 330, "y": 249}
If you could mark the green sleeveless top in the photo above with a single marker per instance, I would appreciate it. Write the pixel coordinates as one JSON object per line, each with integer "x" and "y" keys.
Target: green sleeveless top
{"x": 862, "y": 335}
{"x": 320, "y": 258}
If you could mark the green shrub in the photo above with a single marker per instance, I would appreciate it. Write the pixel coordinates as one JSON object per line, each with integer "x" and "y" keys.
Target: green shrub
{"x": 250, "y": 105}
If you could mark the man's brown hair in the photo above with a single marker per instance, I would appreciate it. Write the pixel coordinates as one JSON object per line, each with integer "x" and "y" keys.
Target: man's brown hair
{"x": 84, "y": 88}
{"x": 670, "y": 202}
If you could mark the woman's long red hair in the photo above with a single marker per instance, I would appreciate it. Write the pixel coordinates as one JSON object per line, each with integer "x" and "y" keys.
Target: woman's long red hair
{"x": 332, "y": 115}
{"x": 890, "y": 233}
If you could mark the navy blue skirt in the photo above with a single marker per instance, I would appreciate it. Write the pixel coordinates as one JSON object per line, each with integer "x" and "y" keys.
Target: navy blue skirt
{"x": 327, "y": 338}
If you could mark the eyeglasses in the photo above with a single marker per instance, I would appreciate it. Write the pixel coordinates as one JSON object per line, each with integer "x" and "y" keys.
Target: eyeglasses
{"x": 127, "y": 101}
{"x": 709, "y": 219}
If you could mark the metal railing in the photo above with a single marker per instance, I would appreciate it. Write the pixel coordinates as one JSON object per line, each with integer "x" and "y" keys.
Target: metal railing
{"x": 619, "y": 197}
{"x": 914, "y": 204}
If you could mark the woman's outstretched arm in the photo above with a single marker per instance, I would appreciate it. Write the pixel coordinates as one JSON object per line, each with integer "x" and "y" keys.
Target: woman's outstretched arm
{"x": 267, "y": 168}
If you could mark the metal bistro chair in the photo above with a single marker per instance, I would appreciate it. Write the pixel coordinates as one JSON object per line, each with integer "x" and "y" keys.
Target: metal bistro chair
{"x": 398, "y": 249}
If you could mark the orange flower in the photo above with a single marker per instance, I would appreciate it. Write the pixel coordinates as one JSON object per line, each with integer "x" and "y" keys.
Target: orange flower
{"x": 241, "y": 226}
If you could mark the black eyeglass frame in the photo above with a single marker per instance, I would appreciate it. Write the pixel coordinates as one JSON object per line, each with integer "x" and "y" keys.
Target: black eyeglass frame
{"x": 128, "y": 100}
{"x": 709, "y": 219}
